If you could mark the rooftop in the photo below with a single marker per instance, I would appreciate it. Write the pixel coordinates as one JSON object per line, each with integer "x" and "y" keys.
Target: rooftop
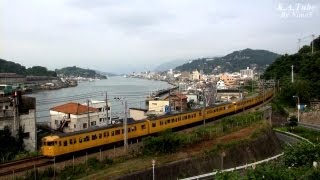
{"x": 74, "y": 108}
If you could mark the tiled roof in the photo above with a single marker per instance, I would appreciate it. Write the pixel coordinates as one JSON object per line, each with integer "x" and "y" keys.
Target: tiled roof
{"x": 73, "y": 108}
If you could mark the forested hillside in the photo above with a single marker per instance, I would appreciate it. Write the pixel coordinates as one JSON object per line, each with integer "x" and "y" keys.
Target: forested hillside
{"x": 79, "y": 72}
{"x": 306, "y": 73}
{"x": 232, "y": 62}
{"x": 12, "y": 67}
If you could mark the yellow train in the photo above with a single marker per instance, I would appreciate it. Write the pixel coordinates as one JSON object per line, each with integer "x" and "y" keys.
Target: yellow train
{"x": 56, "y": 145}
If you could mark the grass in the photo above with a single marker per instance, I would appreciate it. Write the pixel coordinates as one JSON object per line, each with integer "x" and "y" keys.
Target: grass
{"x": 312, "y": 135}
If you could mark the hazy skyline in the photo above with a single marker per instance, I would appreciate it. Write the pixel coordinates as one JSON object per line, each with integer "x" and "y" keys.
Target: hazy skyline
{"x": 126, "y": 36}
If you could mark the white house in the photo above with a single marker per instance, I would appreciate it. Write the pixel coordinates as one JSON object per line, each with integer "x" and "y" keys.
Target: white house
{"x": 221, "y": 85}
{"x": 72, "y": 116}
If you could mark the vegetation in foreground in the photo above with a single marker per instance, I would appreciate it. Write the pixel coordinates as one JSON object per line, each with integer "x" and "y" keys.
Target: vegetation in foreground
{"x": 297, "y": 163}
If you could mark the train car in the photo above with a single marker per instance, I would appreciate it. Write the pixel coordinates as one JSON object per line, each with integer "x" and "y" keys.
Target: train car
{"x": 174, "y": 121}
{"x": 56, "y": 145}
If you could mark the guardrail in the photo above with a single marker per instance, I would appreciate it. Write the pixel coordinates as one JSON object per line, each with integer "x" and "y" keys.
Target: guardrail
{"x": 294, "y": 135}
{"x": 236, "y": 168}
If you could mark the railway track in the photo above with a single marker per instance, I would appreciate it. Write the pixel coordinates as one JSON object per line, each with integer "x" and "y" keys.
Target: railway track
{"x": 23, "y": 165}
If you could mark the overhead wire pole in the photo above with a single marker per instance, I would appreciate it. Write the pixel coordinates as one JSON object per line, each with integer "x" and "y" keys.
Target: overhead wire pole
{"x": 107, "y": 108}
{"x": 312, "y": 43}
{"x": 88, "y": 113}
{"x": 125, "y": 126}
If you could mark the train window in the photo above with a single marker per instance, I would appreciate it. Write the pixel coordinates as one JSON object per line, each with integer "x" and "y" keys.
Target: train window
{"x": 43, "y": 143}
{"x": 195, "y": 115}
{"x": 161, "y": 123}
{"x": 55, "y": 143}
{"x": 59, "y": 143}
{"x": 129, "y": 129}
{"x": 74, "y": 141}
{"x": 104, "y": 134}
{"x": 87, "y": 138}
{"x": 172, "y": 120}
{"x": 107, "y": 133}
{"x": 94, "y": 137}
{"x": 143, "y": 126}
{"x": 112, "y": 133}
{"x": 100, "y": 135}
{"x": 122, "y": 131}
{"x": 153, "y": 124}
{"x": 65, "y": 143}
{"x": 189, "y": 116}
{"x": 70, "y": 141}
{"x": 200, "y": 113}
{"x": 117, "y": 131}
{"x": 80, "y": 140}
{"x": 50, "y": 143}
{"x": 168, "y": 121}
{"x": 185, "y": 117}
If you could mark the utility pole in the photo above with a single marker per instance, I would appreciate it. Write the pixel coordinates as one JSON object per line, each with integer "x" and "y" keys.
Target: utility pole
{"x": 88, "y": 113}
{"x": 204, "y": 108}
{"x": 292, "y": 74}
{"x": 312, "y": 43}
{"x": 180, "y": 99}
{"x": 107, "y": 108}
{"x": 125, "y": 140}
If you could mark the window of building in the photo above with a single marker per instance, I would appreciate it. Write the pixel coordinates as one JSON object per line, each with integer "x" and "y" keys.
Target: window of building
{"x": 26, "y": 135}
{"x": 84, "y": 125}
{"x": 56, "y": 122}
{"x": 74, "y": 126}
{"x": 93, "y": 123}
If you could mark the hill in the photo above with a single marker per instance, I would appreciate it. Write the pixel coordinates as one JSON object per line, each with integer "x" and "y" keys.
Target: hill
{"x": 12, "y": 67}
{"x": 108, "y": 74}
{"x": 169, "y": 65}
{"x": 79, "y": 72}
{"x": 306, "y": 73}
{"x": 257, "y": 59}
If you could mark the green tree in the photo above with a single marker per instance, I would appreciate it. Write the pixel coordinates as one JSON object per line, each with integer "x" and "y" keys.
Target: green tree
{"x": 301, "y": 154}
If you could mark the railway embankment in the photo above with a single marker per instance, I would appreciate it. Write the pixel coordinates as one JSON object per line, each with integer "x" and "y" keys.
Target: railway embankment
{"x": 235, "y": 149}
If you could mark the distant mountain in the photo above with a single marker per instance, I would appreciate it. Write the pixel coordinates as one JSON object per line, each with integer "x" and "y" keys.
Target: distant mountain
{"x": 77, "y": 71}
{"x": 235, "y": 61}
{"x": 169, "y": 65}
{"x": 12, "y": 67}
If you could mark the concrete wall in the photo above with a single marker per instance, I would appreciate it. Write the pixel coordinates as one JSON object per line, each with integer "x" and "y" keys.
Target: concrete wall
{"x": 137, "y": 114}
{"x": 28, "y": 122}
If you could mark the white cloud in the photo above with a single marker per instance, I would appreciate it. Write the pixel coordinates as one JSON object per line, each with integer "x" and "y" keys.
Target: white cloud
{"x": 133, "y": 35}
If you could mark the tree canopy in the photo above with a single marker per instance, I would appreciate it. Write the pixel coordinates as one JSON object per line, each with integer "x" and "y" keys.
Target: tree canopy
{"x": 306, "y": 67}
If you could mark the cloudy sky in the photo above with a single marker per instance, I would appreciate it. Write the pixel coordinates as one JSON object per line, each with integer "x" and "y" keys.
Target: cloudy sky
{"x": 134, "y": 35}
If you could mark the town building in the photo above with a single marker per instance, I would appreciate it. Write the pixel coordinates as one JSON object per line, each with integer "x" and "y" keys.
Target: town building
{"x": 228, "y": 79}
{"x": 196, "y": 76}
{"x": 246, "y": 73}
{"x": 12, "y": 78}
{"x": 221, "y": 85}
{"x": 138, "y": 114}
{"x": 72, "y": 116}
{"x": 20, "y": 111}
{"x": 178, "y": 101}
{"x": 158, "y": 106}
